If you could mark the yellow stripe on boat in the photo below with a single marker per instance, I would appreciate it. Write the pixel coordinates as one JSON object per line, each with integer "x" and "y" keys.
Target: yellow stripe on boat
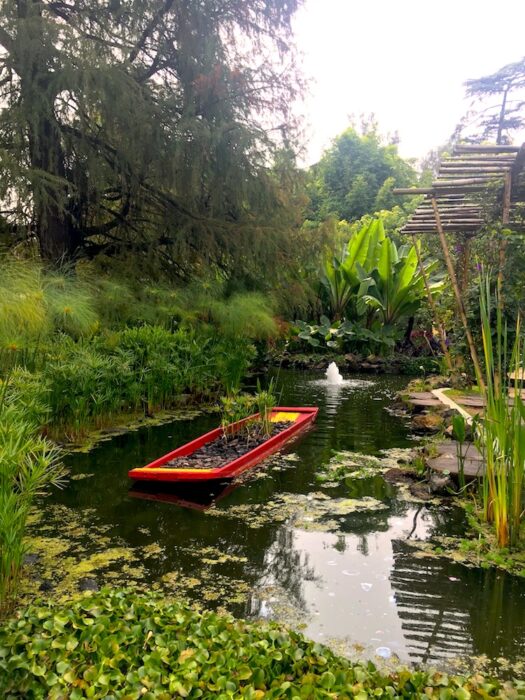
{"x": 164, "y": 470}
{"x": 282, "y": 416}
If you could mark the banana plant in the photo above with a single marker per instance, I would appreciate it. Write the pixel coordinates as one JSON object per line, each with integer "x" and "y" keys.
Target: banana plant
{"x": 395, "y": 287}
{"x": 341, "y": 276}
{"x": 326, "y": 331}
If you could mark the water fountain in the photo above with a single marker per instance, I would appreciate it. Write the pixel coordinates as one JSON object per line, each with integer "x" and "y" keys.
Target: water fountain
{"x": 333, "y": 375}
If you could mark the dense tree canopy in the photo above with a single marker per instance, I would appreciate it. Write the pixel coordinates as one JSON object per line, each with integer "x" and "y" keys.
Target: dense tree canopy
{"x": 356, "y": 176}
{"x": 131, "y": 123}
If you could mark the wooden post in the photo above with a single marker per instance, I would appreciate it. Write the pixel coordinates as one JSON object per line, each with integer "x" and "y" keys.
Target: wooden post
{"x": 465, "y": 263}
{"x": 459, "y": 300}
{"x": 505, "y": 217}
{"x": 437, "y": 320}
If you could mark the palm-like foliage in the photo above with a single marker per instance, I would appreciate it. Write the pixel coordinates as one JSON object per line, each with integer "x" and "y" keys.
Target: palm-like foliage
{"x": 341, "y": 276}
{"x": 385, "y": 282}
{"x": 395, "y": 287}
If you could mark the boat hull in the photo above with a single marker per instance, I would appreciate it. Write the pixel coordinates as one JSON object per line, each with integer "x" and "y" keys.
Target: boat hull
{"x": 299, "y": 418}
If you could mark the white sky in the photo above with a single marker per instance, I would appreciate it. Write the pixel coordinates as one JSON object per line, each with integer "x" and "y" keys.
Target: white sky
{"x": 406, "y": 61}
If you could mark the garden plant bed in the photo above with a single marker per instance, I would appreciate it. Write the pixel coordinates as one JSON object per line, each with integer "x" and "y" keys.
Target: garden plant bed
{"x": 226, "y": 448}
{"x": 244, "y": 453}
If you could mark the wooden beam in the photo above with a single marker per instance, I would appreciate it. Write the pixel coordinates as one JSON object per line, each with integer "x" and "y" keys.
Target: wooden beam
{"x": 474, "y": 148}
{"x": 503, "y": 161}
{"x": 412, "y": 190}
{"x": 466, "y": 170}
{"x": 444, "y": 189}
{"x": 505, "y": 216}
{"x": 457, "y": 189}
{"x": 462, "y": 182}
{"x": 433, "y": 308}
{"x": 452, "y": 226}
{"x": 459, "y": 298}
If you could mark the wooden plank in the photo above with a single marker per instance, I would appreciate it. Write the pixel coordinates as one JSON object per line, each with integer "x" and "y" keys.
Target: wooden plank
{"x": 470, "y": 400}
{"x": 449, "y": 228}
{"x": 462, "y": 182}
{"x": 503, "y": 162}
{"x": 453, "y": 167}
{"x": 475, "y": 148}
{"x": 456, "y": 188}
{"x": 412, "y": 190}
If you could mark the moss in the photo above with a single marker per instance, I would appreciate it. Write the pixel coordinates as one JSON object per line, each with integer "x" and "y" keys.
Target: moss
{"x": 315, "y": 511}
{"x": 477, "y": 549}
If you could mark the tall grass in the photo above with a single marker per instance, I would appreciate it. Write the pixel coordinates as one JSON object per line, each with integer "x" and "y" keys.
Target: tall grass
{"x": 144, "y": 369}
{"x": 29, "y": 464}
{"x": 102, "y": 346}
{"x": 501, "y": 433}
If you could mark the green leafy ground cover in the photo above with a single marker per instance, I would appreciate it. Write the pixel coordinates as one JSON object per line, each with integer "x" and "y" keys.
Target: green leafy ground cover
{"x": 117, "y": 644}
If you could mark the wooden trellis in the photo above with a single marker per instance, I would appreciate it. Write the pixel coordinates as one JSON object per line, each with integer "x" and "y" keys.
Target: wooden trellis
{"x": 454, "y": 204}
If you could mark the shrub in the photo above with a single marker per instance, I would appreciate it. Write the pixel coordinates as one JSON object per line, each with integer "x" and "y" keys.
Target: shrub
{"x": 117, "y": 644}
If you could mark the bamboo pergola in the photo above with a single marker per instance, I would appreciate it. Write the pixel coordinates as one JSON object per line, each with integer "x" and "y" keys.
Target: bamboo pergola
{"x": 462, "y": 180}
{"x": 454, "y": 204}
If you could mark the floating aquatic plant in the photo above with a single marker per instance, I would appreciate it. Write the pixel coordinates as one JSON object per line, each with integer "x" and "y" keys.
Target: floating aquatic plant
{"x": 121, "y": 644}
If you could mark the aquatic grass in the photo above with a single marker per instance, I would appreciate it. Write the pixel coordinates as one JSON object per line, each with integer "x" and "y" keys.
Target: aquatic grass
{"x": 144, "y": 369}
{"x": 101, "y": 347}
{"x": 501, "y": 433}
{"x": 29, "y": 464}
{"x": 247, "y": 315}
{"x": 266, "y": 401}
{"x": 233, "y": 362}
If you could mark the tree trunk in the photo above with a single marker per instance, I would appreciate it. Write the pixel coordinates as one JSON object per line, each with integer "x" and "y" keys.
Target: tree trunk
{"x": 53, "y": 203}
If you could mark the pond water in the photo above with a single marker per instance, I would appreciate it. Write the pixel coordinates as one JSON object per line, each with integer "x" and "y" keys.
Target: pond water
{"x": 333, "y": 558}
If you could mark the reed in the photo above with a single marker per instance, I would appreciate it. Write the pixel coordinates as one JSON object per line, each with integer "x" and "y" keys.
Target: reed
{"x": 29, "y": 464}
{"x": 266, "y": 402}
{"x": 501, "y": 433}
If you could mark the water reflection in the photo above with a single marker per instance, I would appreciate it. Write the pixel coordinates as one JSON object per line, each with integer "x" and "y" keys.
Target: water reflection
{"x": 357, "y": 581}
{"x": 344, "y": 583}
{"x": 449, "y": 611}
{"x": 194, "y": 496}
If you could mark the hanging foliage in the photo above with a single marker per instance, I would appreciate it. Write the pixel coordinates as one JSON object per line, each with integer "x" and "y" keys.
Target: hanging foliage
{"x": 139, "y": 125}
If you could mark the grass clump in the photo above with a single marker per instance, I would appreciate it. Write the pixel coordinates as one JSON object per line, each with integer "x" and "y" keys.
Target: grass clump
{"x": 118, "y": 644}
{"x": 501, "y": 432}
{"x": 29, "y": 464}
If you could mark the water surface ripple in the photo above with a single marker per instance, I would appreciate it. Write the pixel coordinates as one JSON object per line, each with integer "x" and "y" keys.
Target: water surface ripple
{"x": 355, "y": 581}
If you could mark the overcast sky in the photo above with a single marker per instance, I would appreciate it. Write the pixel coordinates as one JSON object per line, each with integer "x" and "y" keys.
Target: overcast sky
{"x": 406, "y": 61}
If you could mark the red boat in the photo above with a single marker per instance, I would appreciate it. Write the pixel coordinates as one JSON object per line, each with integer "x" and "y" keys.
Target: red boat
{"x": 299, "y": 419}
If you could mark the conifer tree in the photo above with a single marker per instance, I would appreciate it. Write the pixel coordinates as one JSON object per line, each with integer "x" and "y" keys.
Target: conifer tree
{"x": 131, "y": 124}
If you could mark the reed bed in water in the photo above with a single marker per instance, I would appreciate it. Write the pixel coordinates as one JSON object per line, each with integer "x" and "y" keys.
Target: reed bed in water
{"x": 501, "y": 432}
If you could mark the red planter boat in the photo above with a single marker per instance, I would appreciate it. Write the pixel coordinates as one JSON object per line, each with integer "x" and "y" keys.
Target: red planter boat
{"x": 299, "y": 419}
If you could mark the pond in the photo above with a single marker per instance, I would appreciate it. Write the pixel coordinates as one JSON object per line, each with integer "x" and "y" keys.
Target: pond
{"x": 333, "y": 558}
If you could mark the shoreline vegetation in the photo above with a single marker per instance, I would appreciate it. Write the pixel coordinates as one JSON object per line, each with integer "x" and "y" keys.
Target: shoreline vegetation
{"x": 119, "y": 643}
{"x": 83, "y": 356}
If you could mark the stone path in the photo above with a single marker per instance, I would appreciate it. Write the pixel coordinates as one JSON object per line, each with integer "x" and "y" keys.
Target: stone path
{"x": 447, "y": 459}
